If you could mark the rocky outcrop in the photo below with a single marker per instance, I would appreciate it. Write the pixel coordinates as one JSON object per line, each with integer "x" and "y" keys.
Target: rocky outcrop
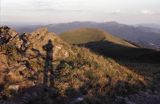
{"x": 6, "y": 34}
{"x": 23, "y": 56}
{"x": 40, "y": 38}
{"x": 9, "y": 36}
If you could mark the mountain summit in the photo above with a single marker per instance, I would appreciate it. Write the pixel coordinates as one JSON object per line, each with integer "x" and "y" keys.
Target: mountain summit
{"x": 23, "y": 60}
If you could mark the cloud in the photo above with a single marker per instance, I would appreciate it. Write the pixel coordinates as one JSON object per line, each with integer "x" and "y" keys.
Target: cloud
{"x": 117, "y": 11}
{"x": 147, "y": 12}
{"x": 56, "y": 5}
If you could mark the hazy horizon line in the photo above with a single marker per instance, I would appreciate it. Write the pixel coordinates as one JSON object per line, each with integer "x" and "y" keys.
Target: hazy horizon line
{"x": 54, "y": 23}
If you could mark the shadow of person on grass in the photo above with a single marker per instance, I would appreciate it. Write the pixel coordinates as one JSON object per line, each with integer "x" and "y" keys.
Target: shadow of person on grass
{"x": 48, "y": 68}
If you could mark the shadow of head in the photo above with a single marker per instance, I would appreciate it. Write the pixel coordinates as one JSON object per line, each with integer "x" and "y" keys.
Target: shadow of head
{"x": 48, "y": 46}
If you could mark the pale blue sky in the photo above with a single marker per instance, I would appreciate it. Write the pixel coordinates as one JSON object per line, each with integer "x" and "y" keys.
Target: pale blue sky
{"x": 58, "y": 11}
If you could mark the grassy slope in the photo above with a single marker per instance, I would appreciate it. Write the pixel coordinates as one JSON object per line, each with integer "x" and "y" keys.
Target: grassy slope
{"x": 81, "y": 69}
{"x": 109, "y": 45}
{"x": 86, "y": 35}
{"x": 82, "y": 72}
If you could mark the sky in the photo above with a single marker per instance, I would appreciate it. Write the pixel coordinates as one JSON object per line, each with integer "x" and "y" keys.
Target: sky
{"x": 60, "y": 11}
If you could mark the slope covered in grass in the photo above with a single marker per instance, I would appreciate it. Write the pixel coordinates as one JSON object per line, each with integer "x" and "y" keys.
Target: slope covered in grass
{"x": 108, "y": 45}
{"x": 86, "y": 35}
{"x": 76, "y": 70}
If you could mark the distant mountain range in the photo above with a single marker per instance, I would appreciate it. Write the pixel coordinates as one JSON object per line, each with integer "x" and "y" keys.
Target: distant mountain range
{"x": 153, "y": 26}
{"x": 147, "y": 36}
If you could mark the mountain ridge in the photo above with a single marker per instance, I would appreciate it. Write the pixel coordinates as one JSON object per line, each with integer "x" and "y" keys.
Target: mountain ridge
{"x": 74, "y": 69}
{"x": 86, "y": 35}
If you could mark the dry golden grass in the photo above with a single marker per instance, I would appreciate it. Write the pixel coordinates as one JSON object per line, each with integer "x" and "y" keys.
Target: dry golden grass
{"x": 95, "y": 74}
{"x": 86, "y": 35}
{"x": 75, "y": 68}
